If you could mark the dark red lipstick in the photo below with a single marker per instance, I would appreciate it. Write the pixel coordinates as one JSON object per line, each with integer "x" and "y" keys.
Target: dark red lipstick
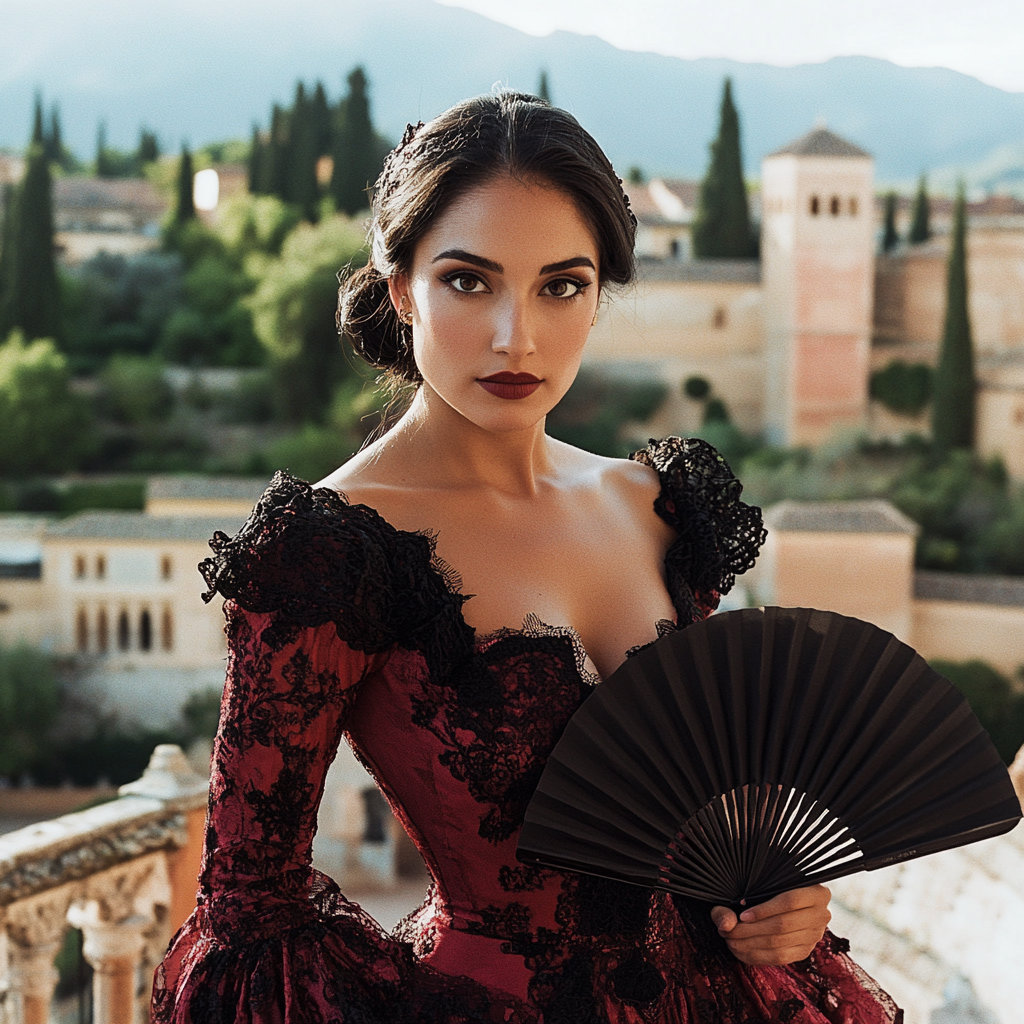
{"x": 510, "y": 385}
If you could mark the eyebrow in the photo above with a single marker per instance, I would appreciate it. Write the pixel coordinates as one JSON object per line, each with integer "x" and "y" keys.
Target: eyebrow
{"x": 497, "y": 268}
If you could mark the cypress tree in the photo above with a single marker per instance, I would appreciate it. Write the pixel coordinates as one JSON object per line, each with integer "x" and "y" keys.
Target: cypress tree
{"x": 356, "y": 159}
{"x": 321, "y": 118}
{"x": 954, "y": 384}
{"x": 920, "y": 229}
{"x": 889, "y": 235}
{"x": 149, "y": 147}
{"x": 8, "y": 207}
{"x": 32, "y": 300}
{"x": 721, "y": 228}
{"x": 276, "y": 156}
{"x": 103, "y": 168}
{"x": 53, "y": 141}
{"x": 38, "y": 133}
{"x": 543, "y": 92}
{"x": 184, "y": 207}
{"x": 255, "y": 164}
{"x": 303, "y": 189}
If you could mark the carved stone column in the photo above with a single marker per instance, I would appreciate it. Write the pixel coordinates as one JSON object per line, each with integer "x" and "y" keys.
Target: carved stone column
{"x": 113, "y": 948}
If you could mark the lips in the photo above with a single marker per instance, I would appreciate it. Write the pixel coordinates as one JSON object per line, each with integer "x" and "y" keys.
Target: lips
{"x": 510, "y": 385}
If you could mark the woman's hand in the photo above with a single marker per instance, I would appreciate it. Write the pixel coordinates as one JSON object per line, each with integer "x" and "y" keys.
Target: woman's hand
{"x": 781, "y": 931}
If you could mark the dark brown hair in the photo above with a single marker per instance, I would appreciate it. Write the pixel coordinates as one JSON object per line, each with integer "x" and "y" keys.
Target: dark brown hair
{"x": 436, "y": 163}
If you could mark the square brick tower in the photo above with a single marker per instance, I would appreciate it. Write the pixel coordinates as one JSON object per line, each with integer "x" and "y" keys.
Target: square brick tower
{"x": 817, "y": 263}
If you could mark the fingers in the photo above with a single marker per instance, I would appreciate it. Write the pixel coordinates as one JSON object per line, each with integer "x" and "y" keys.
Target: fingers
{"x": 724, "y": 919}
{"x": 787, "y": 902}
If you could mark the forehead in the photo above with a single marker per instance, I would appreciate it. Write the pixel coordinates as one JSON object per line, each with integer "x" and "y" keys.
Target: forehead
{"x": 510, "y": 220}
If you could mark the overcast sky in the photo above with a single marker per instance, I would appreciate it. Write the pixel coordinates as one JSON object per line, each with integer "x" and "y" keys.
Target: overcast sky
{"x": 984, "y": 38}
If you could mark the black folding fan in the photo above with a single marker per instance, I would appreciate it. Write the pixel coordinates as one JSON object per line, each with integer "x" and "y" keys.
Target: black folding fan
{"x": 759, "y": 751}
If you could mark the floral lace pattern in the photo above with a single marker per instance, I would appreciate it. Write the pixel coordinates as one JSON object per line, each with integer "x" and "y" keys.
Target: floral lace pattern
{"x": 338, "y": 624}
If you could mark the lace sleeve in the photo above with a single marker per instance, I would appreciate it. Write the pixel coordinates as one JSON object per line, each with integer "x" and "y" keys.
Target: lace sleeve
{"x": 309, "y": 555}
{"x": 718, "y": 535}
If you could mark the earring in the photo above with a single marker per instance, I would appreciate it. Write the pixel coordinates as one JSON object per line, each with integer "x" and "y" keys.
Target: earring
{"x": 405, "y": 315}
{"x": 593, "y": 323}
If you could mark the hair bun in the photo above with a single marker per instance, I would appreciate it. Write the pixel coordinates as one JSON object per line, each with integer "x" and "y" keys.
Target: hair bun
{"x": 368, "y": 319}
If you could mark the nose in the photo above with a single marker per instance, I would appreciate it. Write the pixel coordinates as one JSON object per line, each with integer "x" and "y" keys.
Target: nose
{"x": 514, "y": 329}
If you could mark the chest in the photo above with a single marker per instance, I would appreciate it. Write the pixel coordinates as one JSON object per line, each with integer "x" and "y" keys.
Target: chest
{"x": 598, "y": 570}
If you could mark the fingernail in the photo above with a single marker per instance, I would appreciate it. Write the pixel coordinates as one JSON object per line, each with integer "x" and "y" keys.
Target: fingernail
{"x": 747, "y": 915}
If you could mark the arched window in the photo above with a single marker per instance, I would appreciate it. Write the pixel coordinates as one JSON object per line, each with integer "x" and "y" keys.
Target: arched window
{"x": 165, "y": 567}
{"x": 102, "y": 631}
{"x": 814, "y": 206}
{"x": 833, "y": 206}
{"x": 79, "y": 567}
{"x": 101, "y": 566}
{"x": 853, "y": 206}
{"x": 123, "y": 631}
{"x": 721, "y": 318}
{"x": 82, "y": 631}
{"x": 167, "y": 630}
{"x": 145, "y": 630}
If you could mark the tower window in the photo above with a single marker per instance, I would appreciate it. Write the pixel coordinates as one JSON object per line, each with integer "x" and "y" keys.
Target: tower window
{"x": 82, "y": 631}
{"x": 815, "y": 207}
{"x": 834, "y": 206}
{"x": 720, "y": 318}
{"x": 853, "y": 206}
{"x": 145, "y": 630}
{"x": 674, "y": 248}
{"x": 123, "y": 631}
{"x": 165, "y": 567}
{"x": 102, "y": 631}
{"x": 101, "y": 567}
{"x": 79, "y": 567}
{"x": 167, "y": 630}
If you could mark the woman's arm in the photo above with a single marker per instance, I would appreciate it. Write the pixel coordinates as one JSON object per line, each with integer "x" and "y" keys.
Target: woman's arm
{"x": 780, "y": 931}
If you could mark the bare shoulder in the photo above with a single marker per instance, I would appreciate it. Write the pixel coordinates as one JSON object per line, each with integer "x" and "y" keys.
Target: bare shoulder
{"x": 626, "y": 483}
{"x": 361, "y": 479}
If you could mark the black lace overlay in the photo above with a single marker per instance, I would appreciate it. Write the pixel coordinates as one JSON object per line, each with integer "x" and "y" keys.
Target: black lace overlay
{"x": 309, "y": 555}
{"x": 718, "y": 535}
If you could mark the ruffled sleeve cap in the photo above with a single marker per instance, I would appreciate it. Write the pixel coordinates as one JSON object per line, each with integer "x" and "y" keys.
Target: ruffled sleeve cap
{"x": 312, "y": 557}
{"x": 719, "y": 536}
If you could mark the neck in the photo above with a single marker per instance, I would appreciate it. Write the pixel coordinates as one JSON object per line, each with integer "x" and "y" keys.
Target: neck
{"x": 442, "y": 446}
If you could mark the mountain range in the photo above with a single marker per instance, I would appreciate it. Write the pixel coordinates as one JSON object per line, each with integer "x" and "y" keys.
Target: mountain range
{"x": 198, "y": 71}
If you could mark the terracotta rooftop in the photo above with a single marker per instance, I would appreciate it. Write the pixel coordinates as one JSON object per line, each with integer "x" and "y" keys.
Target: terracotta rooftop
{"x": 140, "y": 526}
{"x": 871, "y": 516}
{"x": 821, "y": 142}
{"x": 663, "y": 200}
{"x": 133, "y": 194}
{"x": 208, "y": 488}
{"x": 956, "y": 586}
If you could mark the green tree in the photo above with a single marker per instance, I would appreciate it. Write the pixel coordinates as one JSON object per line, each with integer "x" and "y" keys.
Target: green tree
{"x": 321, "y": 117}
{"x": 890, "y": 236}
{"x": 920, "y": 228}
{"x": 8, "y": 210}
{"x": 38, "y": 132}
{"x": 303, "y": 189}
{"x": 721, "y": 228}
{"x": 135, "y": 390}
{"x": 29, "y": 700}
{"x": 31, "y": 296}
{"x": 293, "y": 315}
{"x": 103, "y": 163}
{"x": 275, "y": 158}
{"x": 356, "y": 151}
{"x": 46, "y": 427}
{"x": 184, "y": 206}
{"x": 149, "y": 147}
{"x": 255, "y": 162}
{"x": 543, "y": 90}
{"x": 954, "y": 383}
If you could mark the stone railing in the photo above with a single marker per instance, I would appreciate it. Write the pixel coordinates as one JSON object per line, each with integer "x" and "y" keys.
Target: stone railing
{"x": 123, "y": 872}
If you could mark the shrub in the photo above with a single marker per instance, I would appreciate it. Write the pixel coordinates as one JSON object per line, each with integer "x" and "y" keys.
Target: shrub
{"x": 135, "y": 390}
{"x": 29, "y": 698}
{"x": 903, "y": 388}
{"x": 696, "y": 388}
{"x": 999, "y": 707}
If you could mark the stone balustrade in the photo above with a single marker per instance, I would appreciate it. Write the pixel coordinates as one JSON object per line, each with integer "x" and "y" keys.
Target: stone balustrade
{"x": 123, "y": 872}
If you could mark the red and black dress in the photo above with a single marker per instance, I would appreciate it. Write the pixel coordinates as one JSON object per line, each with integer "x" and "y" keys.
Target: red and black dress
{"x": 339, "y": 624}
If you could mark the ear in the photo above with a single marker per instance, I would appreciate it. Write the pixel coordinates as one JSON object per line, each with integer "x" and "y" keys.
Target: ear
{"x": 398, "y": 286}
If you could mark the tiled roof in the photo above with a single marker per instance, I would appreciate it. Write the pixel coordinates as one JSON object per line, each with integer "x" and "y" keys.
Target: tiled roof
{"x": 199, "y": 488}
{"x": 140, "y": 526}
{"x": 821, "y": 142}
{"x": 955, "y": 586}
{"x": 872, "y": 516}
{"x": 716, "y": 271}
{"x": 663, "y": 200}
{"x": 132, "y": 194}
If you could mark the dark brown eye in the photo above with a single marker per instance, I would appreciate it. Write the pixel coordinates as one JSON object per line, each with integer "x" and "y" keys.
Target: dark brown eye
{"x": 466, "y": 283}
{"x": 563, "y": 288}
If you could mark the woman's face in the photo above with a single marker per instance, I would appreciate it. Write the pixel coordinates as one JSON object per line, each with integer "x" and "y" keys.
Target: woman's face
{"x": 503, "y": 291}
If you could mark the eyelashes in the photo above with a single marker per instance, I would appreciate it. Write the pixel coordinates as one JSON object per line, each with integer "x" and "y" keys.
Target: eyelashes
{"x": 563, "y": 288}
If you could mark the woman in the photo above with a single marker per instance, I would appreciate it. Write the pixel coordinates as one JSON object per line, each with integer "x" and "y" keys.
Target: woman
{"x": 495, "y": 228}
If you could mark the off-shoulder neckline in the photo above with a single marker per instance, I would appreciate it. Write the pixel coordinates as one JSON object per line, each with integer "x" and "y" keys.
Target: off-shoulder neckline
{"x": 533, "y": 625}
